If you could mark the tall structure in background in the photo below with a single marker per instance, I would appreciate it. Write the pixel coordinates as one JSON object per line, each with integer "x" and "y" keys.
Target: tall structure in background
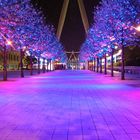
{"x": 83, "y": 15}
{"x": 64, "y": 13}
{"x": 73, "y": 60}
{"x": 62, "y": 18}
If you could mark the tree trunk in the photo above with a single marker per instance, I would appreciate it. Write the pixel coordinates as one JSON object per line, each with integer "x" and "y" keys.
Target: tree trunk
{"x": 94, "y": 64}
{"x": 21, "y": 64}
{"x": 31, "y": 63}
{"x": 100, "y": 65}
{"x": 38, "y": 65}
{"x": 50, "y": 65}
{"x": 105, "y": 65}
{"x": 112, "y": 63}
{"x": 47, "y": 65}
{"x": 97, "y": 64}
{"x": 43, "y": 65}
{"x": 122, "y": 66}
{"x": 88, "y": 64}
{"x": 5, "y": 64}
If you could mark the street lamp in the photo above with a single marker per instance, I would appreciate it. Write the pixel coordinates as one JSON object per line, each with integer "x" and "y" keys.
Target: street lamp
{"x": 9, "y": 42}
{"x": 137, "y": 28}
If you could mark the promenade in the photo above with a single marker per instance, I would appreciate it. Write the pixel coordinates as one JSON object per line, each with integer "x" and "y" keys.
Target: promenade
{"x": 70, "y": 105}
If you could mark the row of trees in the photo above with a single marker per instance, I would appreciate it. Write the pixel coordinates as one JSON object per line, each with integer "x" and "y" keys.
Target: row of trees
{"x": 116, "y": 25}
{"x": 23, "y": 28}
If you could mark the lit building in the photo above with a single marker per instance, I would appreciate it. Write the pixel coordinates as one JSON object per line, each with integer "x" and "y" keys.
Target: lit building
{"x": 13, "y": 60}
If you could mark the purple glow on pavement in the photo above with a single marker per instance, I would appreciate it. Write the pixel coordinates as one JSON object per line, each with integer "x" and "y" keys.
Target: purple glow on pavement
{"x": 69, "y": 105}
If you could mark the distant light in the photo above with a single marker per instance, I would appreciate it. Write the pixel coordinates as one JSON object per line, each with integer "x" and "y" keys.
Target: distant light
{"x": 138, "y": 28}
{"x": 9, "y": 42}
{"x": 107, "y": 54}
{"x": 112, "y": 38}
{"x": 119, "y": 52}
{"x": 28, "y": 53}
{"x": 116, "y": 47}
{"x": 24, "y": 48}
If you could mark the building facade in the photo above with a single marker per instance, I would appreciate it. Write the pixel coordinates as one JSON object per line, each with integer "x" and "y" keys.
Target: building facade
{"x": 13, "y": 60}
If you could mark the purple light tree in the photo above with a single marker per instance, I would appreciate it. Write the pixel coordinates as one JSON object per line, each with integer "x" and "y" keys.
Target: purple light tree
{"x": 22, "y": 27}
{"x": 113, "y": 27}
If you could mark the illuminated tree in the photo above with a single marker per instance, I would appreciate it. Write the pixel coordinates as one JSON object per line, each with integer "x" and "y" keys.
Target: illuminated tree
{"x": 22, "y": 27}
{"x": 113, "y": 26}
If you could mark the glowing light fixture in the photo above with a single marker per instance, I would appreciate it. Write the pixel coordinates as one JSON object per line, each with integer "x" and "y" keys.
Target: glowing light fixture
{"x": 9, "y": 42}
{"x": 138, "y": 28}
{"x": 116, "y": 47}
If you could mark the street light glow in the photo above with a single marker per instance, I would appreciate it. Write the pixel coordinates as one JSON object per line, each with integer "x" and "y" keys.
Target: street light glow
{"x": 138, "y": 28}
{"x": 9, "y": 42}
{"x": 116, "y": 47}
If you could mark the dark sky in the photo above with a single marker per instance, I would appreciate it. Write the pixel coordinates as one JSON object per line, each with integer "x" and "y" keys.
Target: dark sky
{"x": 73, "y": 34}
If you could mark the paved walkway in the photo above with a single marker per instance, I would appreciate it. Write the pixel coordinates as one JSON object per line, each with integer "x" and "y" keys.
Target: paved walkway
{"x": 69, "y": 105}
{"x": 16, "y": 74}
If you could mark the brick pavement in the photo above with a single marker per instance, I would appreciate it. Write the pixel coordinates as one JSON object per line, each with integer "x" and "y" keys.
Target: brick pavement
{"x": 69, "y": 105}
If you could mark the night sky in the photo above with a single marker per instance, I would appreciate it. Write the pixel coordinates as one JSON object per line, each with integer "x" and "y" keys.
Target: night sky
{"x": 73, "y": 34}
